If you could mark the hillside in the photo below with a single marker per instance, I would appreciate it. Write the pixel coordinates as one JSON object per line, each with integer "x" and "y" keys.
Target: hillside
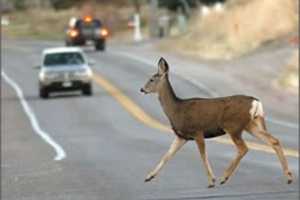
{"x": 240, "y": 28}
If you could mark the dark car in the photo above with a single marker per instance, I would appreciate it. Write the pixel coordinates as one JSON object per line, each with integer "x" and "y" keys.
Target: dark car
{"x": 80, "y": 31}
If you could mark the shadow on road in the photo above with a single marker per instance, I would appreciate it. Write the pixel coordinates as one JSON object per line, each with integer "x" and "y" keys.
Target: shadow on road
{"x": 221, "y": 196}
{"x": 55, "y": 96}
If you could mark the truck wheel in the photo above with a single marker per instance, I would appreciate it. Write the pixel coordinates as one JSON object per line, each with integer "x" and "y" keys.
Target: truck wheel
{"x": 87, "y": 89}
{"x": 44, "y": 93}
{"x": 100, "y": 45}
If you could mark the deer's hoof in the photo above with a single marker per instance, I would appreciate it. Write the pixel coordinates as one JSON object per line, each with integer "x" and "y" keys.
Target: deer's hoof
{"x": 149, "y": 178}
{"x": 211, "y": 183}
{"x": 289, "y": 177}
{"x": 223, "y": 180}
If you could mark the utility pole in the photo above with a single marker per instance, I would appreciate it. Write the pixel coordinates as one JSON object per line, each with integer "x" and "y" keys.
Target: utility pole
{"x": 153, "y": 21}
{"x": 137, "y": 35}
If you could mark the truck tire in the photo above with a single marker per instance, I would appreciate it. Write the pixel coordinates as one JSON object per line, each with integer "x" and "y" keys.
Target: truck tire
{"x": 100, "y": 45}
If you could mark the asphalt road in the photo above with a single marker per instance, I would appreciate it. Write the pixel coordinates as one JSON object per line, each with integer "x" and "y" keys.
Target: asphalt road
{"x": 108, "y": 151}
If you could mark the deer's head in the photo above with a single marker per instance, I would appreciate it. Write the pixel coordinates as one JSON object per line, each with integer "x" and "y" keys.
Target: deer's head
{"x": 155, "y": 82}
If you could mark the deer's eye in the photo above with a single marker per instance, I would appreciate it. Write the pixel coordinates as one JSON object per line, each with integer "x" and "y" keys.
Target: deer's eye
{"x": 151, "y": 80}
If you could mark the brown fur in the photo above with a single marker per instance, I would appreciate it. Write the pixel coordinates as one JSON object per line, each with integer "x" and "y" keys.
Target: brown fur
{"x": 230, "y": 114}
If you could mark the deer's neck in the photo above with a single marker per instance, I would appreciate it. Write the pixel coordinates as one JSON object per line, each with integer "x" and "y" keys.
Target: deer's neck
{"x": 168, "y": 99}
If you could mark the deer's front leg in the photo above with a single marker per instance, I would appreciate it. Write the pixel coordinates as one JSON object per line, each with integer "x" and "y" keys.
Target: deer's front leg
{"x": 175, "y": 146}
{"x": 201, "y": 146}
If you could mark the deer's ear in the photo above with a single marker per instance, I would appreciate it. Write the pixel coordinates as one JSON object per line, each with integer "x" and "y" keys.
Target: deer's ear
{"x": 163, "y": 66}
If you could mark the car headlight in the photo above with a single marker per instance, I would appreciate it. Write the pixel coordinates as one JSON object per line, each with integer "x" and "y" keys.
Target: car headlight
{"x": 47, "y": 75}
{"x": 42, "y": 76}
{"x": 85, "y": 72}
{"x": 51, "y": 75}
{"x": 89, "y": 73}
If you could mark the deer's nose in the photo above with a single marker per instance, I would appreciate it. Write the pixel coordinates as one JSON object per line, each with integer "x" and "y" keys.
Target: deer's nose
{"x": 142, "y": 90}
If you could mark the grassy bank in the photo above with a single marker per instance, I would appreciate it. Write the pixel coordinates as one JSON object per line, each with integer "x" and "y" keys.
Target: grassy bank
{"x": 38, "y": 24}
{"x": 50, "y": 24}
{"x": 289, "y": 78}
{"x": 243, "y": 26}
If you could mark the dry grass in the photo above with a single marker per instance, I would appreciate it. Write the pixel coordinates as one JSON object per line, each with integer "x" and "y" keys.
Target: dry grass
{"x": 290, "y": 76}
{"x": 41, "y": 24}
{"x": 241, "y": 27}
{"x": 51, "y": 24}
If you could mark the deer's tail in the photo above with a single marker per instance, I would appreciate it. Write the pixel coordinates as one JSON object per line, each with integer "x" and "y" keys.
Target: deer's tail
{"x": 257, "y": 113}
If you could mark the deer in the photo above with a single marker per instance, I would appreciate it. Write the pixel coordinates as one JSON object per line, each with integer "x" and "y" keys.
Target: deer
{"x": 202, "y": 118}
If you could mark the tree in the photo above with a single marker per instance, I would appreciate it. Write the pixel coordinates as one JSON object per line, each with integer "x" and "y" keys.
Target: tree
{"x": 18, "y": 4}
{"x": 63, "y": 4}
{"x": 173, "y": 5}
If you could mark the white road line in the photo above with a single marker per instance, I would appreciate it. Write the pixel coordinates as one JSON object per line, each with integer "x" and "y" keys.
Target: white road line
{"x": 203, "y": 87}
{"x": 60, "y": 153}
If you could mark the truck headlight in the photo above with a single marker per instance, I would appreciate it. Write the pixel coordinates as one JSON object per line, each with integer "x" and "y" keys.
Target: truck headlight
{"x": 73, "y": 33}
{"x": 102, "y": 32}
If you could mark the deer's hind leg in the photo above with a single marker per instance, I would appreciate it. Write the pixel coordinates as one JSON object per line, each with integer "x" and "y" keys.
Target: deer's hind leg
{"x": 201, "y": 146}
{"x": 242, "y": 150}
{"x": 257, "y": 128}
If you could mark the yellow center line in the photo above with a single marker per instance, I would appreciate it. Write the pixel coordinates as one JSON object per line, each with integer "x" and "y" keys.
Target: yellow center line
{"x": 138, "y": 113}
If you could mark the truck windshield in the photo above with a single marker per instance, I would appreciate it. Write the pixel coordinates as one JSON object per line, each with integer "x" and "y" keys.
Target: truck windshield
{"x": 94, "y": 24}
{"x": 70, "y": 58}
